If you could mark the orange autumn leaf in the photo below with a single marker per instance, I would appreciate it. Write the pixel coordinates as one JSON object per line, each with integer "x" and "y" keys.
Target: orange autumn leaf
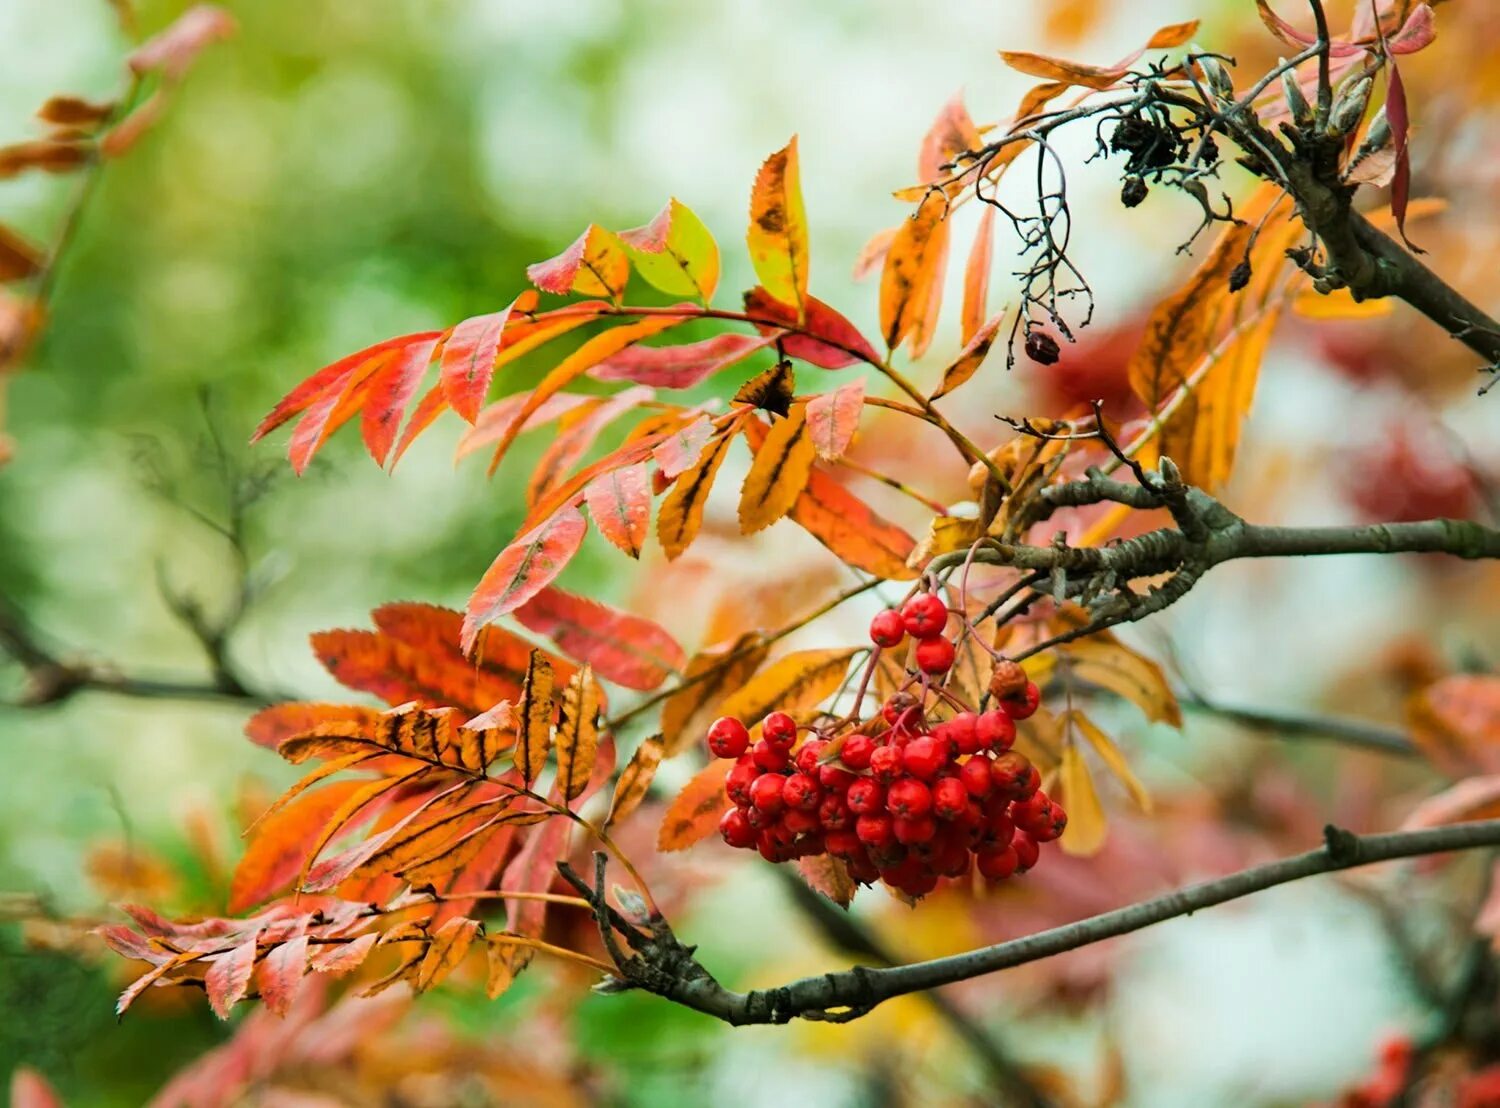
{"x": 778, "y": 473}
{"x": 681, "y": 513}
{"x": 977, "y": 277}
{"x": 627, "y": 649}
{"x": 619, "y": 503}
{"x": 911, "y": 281}
{"x": 281, "y": 844}
{"x": 522, "y": 570}
{"x": 833, "y": 418}
{"x": 694, "y": 813}
{"x": 708, "y": 678}
{"x": 802, "y": 679}
{"x": 635, "y": 779}
{"x": 595, "y": 264}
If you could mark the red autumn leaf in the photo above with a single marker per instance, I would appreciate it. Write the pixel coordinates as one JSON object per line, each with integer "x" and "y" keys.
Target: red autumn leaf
{"x": 496, "y": 419}
{"x": 433, "y": 633}
{"x": 281, "y": 973}
{"x": 679, "y": 367}
{"x": 229, "y": 977}
{"x": 594, "y": 264}
{"x": 850, "y": 528}
{"x": 523, "y": 569}
{"x": 1396, "y": 115}
{"x": 577, "y": 436}
{"x": 1293, "y": 37}
{"x": 830, "y": 341}
{"x": 833, "y": 418}
{"x": 469, "y": 356}
{"x": 620, "y": 503}
{"x": 682, "y": 449}
{"x": 391, "y": 390}
{"x": 624, "y": 648}
{"x": 1417, "y": 32}
{"x": 29, "y": 1089}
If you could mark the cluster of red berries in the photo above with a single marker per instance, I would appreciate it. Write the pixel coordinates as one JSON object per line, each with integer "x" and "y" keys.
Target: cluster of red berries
{"x": 896, "y": 799}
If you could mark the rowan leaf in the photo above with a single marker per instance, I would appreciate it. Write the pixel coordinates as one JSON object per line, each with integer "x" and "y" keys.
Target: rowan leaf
{"x": 977, "y": 278}
{"x": 74, "y": 111}
{"x": 971, "y": 357}
{"x": 281, "y": 974}
{"x": 228, "y": 977}
{"x": 283, "y": 841}
{"x": 675, "y": 252}
{"x": 534, "y": 734}
{"x": 1110, "y": 754}
{"x": 778, "y": 473}
{"x": 577, "y": 436}
{"x": 1178, "y": 329}
{"x": 624, "y": 648}
{"x": 450, "y": 943}
{"x": 708, "y": 678}
{"x": 1455, "y": 721}
{"x": 522, "y": 570}
{"x": 470, "y": 353}
{"x": 634, "y": 781}
{"x": 29, "y": 1089}
{"x": 679, "y": 367}
{"x": 951, "y": 134}
{"x": 173, "y": 51}
{"x": 777, "y": 238}
{"x": 506, "y": 958}
{"x": 1111, "y": 664}
{"x": 682, "y": 448}
{"x": 496, "y": 420}
{"x": 828, "y": 875}
{"x": 577, "y": 734}
{"x": 802, "y": 679}
{"x": 595, "y": 264}
{"x": 911, "y": 283}
{"x": 390, "y": 391}
{"x": 1470, "y": 799}
{"x": 590, "y": 354}
{"x": 620, "y": 503}
{"x": 270, "y": 727}
{"x": 851, "y": 529}
{"x": 344, "y": 958}
{"x": 823, "y": 336}
{"x": 47, "y": 155}
{"x": 833, "y": 418}
{"x": 771, "y": 391}
{"x": 1087, "y": 828}
{"x": 680, "y": 515}
{"x": 694, "y": 813}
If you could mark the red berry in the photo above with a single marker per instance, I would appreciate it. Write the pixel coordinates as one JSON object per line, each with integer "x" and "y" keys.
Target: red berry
{"x": 856, "y": 751}
{"x": 934, "y": 655}
{"x": 911, "y": 830}
{"x": 779, "y": 729}
{"x": 1031, "y": 784}
{"x": 923, "y": 757}
{"x": 951, "y": 859}
{"x": 806, "y": 759}
{"x": 866, "y": 797}
{"x": 920, "y": 886}
{"x": 736, "y": 829}
{"x": 875, "y": 831}
{"x": 995, "y": 730}
{"x": 766, "y": 792}
{"x": 1008, "y": 773}
{"x": 925, "y": 615}
{"x": 802, "y": 791}
{"x": 799, "y": 821}
{"x": 975, "y": 774}
{"x": 897, "y": 706}
{"x": 949, "y": 798}
{"x": 842, "y": 844}
{"x": 1025, "y": 705}
{"x": 1027, "y": 852}
{"x": 908, "y": 797}
{"x": 885, "y": 763}
{"x": 728, "y": 738}
{"x": 737, "y": 784}
{"x": 769, "y": 848}
{"x": 862, "y": 869}
{"x": 887, "y": 629}
{"x": 835, "y": 778}
{"x": 997, "y": 865}
{"x": 834, "y": 814}
{"x": 999, "y": 829}
{"x": 771, "y": 759}
{"x": 760, "y": 820}
{"x": 961, "y": 729}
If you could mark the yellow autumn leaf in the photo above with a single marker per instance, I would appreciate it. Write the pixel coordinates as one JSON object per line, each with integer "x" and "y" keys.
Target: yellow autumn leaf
{"x": 578, "y": 733}
{"x": 777, "y": 238}
{"x": 1110, "y": 753}
{"x": 1087, "y": 829}
{"x": 779, "y": 473}
{"x": 803, "y": 679}
{"x": 681, "y": 513}
{"x": 1114, "y": 666}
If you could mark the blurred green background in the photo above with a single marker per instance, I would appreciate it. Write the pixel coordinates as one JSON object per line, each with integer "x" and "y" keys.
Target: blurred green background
{"x": 345, "y": 171}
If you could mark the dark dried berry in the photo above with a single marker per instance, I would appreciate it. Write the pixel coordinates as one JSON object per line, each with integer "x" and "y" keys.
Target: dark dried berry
{"x": 1133, "y": 192}
{"x": 1133, "y": 133}
{"x": 1239, "y": 277}
{"x": 1041, "y": 347}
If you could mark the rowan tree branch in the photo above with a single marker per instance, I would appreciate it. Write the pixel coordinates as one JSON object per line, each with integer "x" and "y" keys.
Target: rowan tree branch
{"x": 668, "y": 969}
